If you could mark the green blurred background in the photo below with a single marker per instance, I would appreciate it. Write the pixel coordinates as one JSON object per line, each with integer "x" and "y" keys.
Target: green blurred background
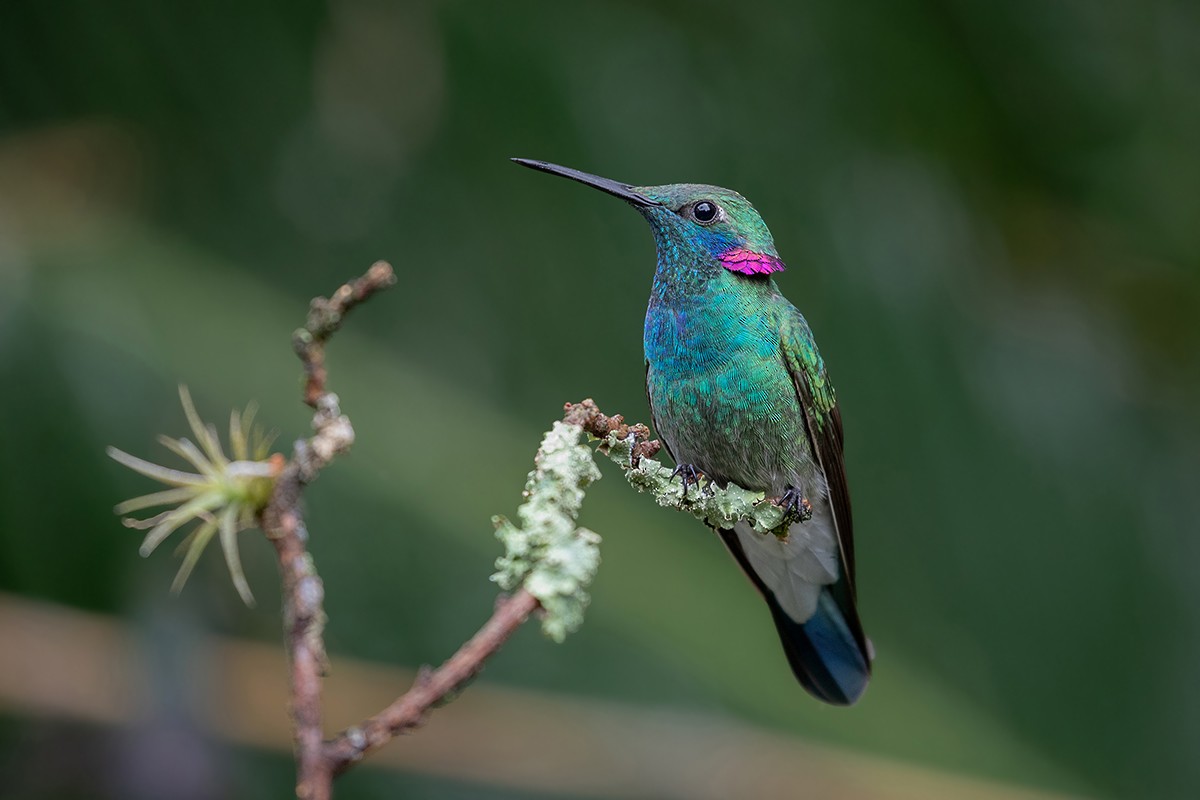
{"x": 991, "y": 215}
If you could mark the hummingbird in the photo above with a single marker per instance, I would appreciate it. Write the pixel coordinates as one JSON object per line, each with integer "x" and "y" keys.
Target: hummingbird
{"x": 739, "y": 393}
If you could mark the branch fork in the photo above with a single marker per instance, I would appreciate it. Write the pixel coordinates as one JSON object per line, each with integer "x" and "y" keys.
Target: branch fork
{"x": 318, "y": 760}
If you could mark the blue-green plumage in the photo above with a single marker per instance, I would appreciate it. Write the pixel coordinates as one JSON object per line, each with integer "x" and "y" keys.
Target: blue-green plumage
{"x": 738, "y": 391}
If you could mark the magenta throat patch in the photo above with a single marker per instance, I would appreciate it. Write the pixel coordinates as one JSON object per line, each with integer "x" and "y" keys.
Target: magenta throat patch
{"x": 747, "y": 262}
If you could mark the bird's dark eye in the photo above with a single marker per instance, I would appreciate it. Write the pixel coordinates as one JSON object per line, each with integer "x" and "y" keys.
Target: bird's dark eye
{"x": 704, "y": 211}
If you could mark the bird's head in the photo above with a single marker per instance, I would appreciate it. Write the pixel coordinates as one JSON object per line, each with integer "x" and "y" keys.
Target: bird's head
{"x": 692, "y": 220}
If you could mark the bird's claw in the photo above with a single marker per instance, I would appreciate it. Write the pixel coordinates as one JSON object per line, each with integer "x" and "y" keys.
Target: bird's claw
{"x": 795, "y": 504}
{"x": 689, "y": 475}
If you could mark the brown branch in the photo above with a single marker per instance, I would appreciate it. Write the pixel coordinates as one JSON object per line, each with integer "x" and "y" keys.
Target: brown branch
{"x": 325, "y": 317}
{"x": 432, "y": 689}
{"x": 317, "y": 761}
{"x": 283, "y": 523}
{"x": 304, "y": 625}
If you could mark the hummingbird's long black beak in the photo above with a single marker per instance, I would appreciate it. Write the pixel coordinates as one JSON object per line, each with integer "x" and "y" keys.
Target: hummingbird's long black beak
{"x": 615, "y": 188}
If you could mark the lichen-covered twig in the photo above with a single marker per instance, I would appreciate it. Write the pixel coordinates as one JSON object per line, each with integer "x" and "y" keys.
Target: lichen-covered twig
{"x": 547, "y": 554}
{"x": 548, "y": 561}
{"x": 283, "y": 523}
{"x": 630, "y": 448}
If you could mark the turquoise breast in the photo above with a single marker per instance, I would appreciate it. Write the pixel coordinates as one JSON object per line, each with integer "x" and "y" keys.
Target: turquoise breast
{"x": 720, "y": 394}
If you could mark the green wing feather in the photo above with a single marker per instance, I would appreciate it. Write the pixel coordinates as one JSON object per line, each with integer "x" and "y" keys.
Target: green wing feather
{"x": 824, "y": 424}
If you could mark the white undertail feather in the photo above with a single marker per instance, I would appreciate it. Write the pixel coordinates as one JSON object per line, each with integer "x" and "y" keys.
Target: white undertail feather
{"x": 795, "y": 569}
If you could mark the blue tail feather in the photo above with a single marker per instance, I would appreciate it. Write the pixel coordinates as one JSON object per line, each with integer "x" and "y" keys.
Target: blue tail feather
{"x": 824, "y": 653}
{"x": 828, "y": 653}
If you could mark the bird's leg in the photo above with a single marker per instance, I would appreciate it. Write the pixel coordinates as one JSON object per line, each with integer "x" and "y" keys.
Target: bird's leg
{"x": 688, "y": 474}
{"x": 794, "y": 503}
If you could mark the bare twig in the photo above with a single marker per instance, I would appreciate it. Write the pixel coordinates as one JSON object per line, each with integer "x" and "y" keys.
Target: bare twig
{"x": 325, "y": 317}
{"x": 432, "y": 688}
{"x": 283, "y": 523}
{"x": 304, "y": 626}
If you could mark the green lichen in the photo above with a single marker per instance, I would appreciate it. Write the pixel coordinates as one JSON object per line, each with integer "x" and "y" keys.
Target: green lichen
{"x": 716, "y": 506}
{"x": 555, "y": 561}
{"x": 545, "y": 552}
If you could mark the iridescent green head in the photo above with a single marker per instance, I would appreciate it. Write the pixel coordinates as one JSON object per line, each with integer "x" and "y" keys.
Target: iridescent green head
{"x": 692, "y": 220}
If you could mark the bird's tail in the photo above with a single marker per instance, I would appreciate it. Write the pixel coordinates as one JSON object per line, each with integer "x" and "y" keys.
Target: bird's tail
{"x": 823, "y": 652}
{"x": 827, "y": 652}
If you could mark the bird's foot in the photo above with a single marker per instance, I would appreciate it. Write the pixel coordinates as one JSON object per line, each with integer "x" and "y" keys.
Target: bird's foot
{"x": 794, "y": 504}
{"x": 689, "y": 475}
